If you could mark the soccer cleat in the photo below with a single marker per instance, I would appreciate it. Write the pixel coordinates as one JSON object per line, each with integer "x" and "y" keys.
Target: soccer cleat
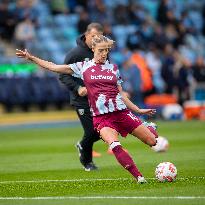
{"x": 150, "y": 124}
{"x": 141, "y": 180}
{"x": 87, "y": 166}
{"x": 90, "y": 167}
{"x": 96, "y": 154}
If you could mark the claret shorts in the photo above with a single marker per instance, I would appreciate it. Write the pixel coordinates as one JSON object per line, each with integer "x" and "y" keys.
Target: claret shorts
{"x": 123, "y": 121}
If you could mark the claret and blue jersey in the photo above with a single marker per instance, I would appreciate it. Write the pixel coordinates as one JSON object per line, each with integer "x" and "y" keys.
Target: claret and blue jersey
{"x": 101, "y": 81}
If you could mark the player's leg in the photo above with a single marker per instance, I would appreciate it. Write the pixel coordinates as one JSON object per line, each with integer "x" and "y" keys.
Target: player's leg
{"x": 145, "y": 135}
{"x": 152, "y": 127}
{"x": 110, "y": 136}
{"x": 85, "y": 146}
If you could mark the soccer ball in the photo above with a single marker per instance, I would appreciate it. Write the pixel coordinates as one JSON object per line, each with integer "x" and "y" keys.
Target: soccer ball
{"x": 166, "y": 172}
{"x": 162, "y": 145}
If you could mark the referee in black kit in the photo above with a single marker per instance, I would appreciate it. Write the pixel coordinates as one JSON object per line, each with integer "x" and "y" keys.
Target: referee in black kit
{"x": 78, "y": 94}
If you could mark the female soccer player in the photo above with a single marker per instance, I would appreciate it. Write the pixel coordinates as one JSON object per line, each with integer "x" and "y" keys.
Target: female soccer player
{"x": 109, "y": 106}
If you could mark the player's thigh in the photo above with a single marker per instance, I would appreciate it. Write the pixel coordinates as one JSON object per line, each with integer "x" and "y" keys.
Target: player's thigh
{"x": 109, "y": 135}
{"x": 144, "y": 134}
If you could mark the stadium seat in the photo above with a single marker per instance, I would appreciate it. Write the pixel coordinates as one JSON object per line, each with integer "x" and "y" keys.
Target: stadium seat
{"x": 121, "y": 33}
{"x": 5, "y": 88}
{"x": 70, "y": 33}
{"x": 73, "y": 19}
{"x": 45, "y": 33}
{"x": 61, "y": 20}
{"x": 116, "y": 57}
{"x": 198, "y": 93}
{"x": 45, "y": 20}
{"x": 57, "y": 56}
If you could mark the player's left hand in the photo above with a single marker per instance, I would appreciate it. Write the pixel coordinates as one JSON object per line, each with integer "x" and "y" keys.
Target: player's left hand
{"x": 147, "y": 111}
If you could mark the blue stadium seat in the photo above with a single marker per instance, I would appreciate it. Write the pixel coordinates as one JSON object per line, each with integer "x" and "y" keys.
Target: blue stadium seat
{"x": 73, "y": 19}
{"x": 61, "y": 20}
{"x": 51, "y": 45}
{"x": 121, "y": 32}
{"x": 45, "y": 34}
{"x": 116, "y": 57}
{"x": 199, "y": 92}
{"x": 70, "y": 33}
{"x": 5, "y": 88}
{"x": 57, "y": 56}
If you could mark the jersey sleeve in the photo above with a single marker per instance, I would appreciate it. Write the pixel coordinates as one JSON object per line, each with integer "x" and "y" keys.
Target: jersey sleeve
{"x": 77, "y": 69}
{"x": 119, "y": 78}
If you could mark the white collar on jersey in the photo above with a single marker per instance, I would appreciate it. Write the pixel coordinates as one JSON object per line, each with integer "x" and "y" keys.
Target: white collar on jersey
{"x": 106, "y": 66}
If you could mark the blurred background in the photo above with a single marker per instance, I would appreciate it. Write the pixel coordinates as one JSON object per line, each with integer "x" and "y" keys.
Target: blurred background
{"x": 160, "y": 51}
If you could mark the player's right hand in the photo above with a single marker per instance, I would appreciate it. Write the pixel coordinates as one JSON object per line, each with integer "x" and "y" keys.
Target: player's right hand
{"x": 23, "y": 54}
{"x": 82, "y": 91}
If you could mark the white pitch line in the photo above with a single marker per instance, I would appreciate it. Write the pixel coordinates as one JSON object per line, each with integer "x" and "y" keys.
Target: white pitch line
{"x": 62, "y": 180}
{"x": 84, "y": 180}
{"x": 102, "y": 197}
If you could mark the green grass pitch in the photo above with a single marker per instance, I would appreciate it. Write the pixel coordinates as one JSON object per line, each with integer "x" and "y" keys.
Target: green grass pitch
{"x": 41, "y": 166}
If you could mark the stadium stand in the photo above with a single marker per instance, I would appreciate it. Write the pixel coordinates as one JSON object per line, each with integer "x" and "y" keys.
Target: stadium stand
{"x": 168, "y": 36}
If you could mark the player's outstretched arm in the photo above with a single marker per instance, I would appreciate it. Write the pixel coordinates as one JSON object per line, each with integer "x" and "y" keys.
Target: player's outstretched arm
{"x": 134, "y": 107}
{"x": 45, "y": 64}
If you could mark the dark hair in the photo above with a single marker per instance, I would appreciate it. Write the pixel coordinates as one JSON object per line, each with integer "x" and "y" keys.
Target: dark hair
{"x": 96, "y": 26}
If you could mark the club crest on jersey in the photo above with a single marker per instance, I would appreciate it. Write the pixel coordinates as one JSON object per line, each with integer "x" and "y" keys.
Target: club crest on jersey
{"x": 81, "y": 111}
{"x": 108, "y": 67}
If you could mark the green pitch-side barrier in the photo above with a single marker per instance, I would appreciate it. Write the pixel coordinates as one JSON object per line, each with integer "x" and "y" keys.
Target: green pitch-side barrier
{"x": 18, "y": 68}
